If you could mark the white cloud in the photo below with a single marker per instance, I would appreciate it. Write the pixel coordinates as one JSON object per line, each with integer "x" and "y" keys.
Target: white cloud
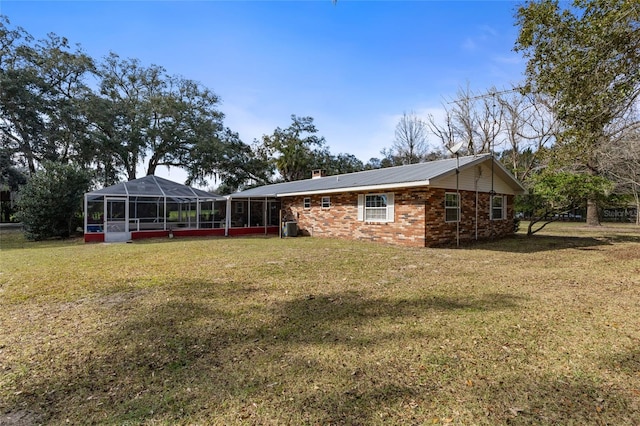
{"x": 469, "y": 44}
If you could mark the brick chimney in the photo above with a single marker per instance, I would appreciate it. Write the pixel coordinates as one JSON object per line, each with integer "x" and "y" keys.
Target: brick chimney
{"x": 318, "y": 173}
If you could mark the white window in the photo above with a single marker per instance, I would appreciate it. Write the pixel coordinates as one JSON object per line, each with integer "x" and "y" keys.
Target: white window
{"x": 451, "y": 207}
{"x": 498, "y": 207}
{"x": 307, "y": 203}
{"x": 376, "y": 207}
{"x": 326, "y": 202}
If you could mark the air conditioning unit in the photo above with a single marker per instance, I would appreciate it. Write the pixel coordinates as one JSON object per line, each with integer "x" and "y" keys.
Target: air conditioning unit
{"x": 290, "y": 229}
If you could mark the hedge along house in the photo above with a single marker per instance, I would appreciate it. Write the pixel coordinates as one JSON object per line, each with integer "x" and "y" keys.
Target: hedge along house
{"x": 426, "y": 204}
{"x": 151, "y": 207}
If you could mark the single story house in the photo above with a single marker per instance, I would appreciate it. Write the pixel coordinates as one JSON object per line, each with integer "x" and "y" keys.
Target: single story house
{"x": 426, "y": 204}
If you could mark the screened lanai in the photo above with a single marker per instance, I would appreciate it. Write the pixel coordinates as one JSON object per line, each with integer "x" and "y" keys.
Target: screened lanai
{"x": 151, "y": 206}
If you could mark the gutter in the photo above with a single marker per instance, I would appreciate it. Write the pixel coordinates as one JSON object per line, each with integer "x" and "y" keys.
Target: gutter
{"x": 356, "y": 189}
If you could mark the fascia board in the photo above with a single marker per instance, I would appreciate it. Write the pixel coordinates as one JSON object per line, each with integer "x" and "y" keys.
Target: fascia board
{"x": 473, "y": 163}
{"x": 245, "y": 197}
{"x": 356, "y": 189}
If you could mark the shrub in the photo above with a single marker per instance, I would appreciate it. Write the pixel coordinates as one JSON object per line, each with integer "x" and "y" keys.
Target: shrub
{"x": 50, "y": 203}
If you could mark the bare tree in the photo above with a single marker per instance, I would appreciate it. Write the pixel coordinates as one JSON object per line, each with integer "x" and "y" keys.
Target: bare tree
{"x": 411, "y": 143}
{"x": 620, "y": 161}
{"x": 473, "y": 120}
{"x": 516, "y": 125}
{"x": 443, "y": 131}
{"x": 529, "y": 125}
{"x": 489, "y": 122}
{"x": 464, "y": 119}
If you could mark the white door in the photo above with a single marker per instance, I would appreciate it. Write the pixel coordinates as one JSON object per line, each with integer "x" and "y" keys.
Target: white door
{"x": 116, "y": 225}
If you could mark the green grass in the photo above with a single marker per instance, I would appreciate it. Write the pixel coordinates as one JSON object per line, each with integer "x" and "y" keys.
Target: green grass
{"x": 541, "y": 330}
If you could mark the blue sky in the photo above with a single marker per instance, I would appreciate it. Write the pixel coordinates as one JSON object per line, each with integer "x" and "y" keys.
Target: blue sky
{"x": 354, "y": 66}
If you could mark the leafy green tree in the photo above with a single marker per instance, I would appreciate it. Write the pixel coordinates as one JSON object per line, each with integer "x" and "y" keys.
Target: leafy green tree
{"x": 145, "y": 115}
{"x": 373, "y": 163}
{"x": 556, "y": 193}
{"x": 123, "y": 115}
{"x": 336, "y": 164}
{"x": 587, "y": 58}
{"x": 139, "y": 115}
{"x": 344, "y": 163}
{"x": 103, "y": 150}
{"x": 42, "y": 85}
{"x": 230, "y": 161}
{"x": 184, "y": 115}
{"x": 295, "y": 148}
{"x": 50, "y": 203}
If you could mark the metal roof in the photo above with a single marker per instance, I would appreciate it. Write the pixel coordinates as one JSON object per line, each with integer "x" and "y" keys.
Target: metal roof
{"x": 153, "y": 186}
{"x": 391, "y": 177}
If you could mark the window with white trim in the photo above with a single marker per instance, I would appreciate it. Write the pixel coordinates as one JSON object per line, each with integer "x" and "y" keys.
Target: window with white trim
{"x": 498, "y": 207}
{"x": 307, "y": 203}
{"x": 376, "y": 207}
{"x": 326, "y": 202}
{"x": 451, "y": 207}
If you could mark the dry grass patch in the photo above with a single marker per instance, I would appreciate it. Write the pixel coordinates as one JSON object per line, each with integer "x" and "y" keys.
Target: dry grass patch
{"x": 316, "y": 331}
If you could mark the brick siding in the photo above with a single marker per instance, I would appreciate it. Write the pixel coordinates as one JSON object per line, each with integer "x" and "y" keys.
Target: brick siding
{"x": 419, "y": 218}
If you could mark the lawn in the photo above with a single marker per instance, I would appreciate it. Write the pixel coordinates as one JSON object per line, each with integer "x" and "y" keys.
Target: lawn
{"x": 542, "y": 330}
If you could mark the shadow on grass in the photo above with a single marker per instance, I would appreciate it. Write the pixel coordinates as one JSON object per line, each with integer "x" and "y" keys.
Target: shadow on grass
{"x": 625, "y": 362}
{"x": 332, "y": 318}
{"x": 557, "y": 401}
{"x": 540, "y": 243}
{"x": 214, "y": 353}
{"x": 202, "y": 347}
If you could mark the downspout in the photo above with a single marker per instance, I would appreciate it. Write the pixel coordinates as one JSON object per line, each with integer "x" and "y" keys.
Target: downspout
{"x": 425, "y": 223}
{"x": 493, "y": 193}
{"x": 476, "y": 209}
{"x": 476, "y": 185}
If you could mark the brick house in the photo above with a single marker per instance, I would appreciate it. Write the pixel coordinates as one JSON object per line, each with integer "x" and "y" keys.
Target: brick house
{"x": 426, "y": 204}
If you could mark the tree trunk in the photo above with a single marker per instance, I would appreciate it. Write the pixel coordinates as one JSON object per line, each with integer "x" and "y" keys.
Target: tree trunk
{"x": 25, "y": 147}
{"x": 151, "y": 170}
{"x": 153, "y": 163}
{"x": 131, "y": 164}
{"x": 637, "y": 199}
{"x": 131, "y": 171}
{"x": 593, "y": 218}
